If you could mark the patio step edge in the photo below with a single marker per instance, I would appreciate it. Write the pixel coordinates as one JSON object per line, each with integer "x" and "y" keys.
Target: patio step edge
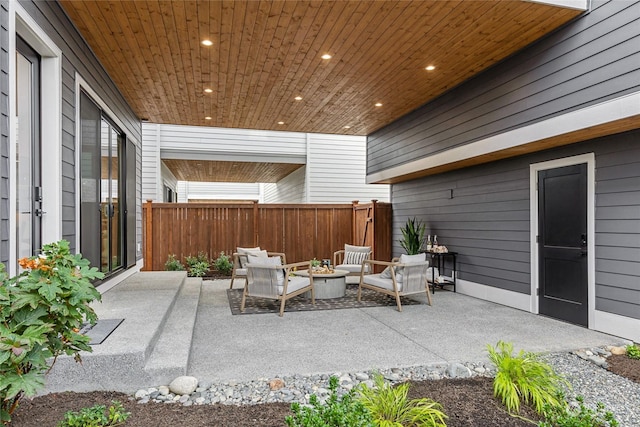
{"x": 170, "y": 356}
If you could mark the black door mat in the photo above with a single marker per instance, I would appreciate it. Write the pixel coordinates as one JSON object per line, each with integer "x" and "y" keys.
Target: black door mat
{"x": 101, "y": 330}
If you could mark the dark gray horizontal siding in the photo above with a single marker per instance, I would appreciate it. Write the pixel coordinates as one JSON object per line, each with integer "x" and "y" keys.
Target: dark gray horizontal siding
{"x": 594, "y": 58}
{"x": 78, "y": 57}
{"x": 4, "y": 132}
{"x": 487, "y": 220}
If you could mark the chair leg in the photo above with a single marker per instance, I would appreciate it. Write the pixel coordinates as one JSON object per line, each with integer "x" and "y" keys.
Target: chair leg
{"x": 428, "y": 294}
{"x": 398, "y": 302}
{"x": 233, "y": 277}
{"x": 359, "y": 291}
{"x": 284, "y": 301}
{"x": 313, "y": 296}
{"x": 244, "y": 298}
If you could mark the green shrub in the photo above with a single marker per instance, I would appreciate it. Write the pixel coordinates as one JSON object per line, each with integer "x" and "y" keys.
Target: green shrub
{"x": 390, "y": 408}
{"x": 565, "y": 416}
{"x": 524, "y": 378}
{"x": 96, "y": 416}
{"x": 337, "y": 411}
{"x": 223, "y": 264}
{"x": 173, "y": 264}
{"x": 412, "y": 236}
{"x": 633, "y": 351}
{"x": 198, "y": 265}
{"x": 41, "y": 313}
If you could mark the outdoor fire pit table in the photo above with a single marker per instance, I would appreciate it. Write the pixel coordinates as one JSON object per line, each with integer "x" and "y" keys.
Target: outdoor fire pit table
{"x": 326, "y": 285}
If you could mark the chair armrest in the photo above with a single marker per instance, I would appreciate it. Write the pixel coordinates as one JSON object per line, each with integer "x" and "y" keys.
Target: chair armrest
{"x": 236, "y": 260}
{"x": 338, "y": 255}
{"x": 385, "y": 263}
{"x": 282, "y": 256}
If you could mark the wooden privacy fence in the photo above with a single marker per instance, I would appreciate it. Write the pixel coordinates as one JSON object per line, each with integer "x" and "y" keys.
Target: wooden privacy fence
{"x": 301, "y": 231}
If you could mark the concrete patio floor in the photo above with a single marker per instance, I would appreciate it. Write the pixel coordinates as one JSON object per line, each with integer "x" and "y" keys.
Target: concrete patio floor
{"x": 455, "y": 328}
{"x": 174, "y": 325}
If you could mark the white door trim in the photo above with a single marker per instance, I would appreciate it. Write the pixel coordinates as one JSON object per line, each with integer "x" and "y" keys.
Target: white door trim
{"x": 23, "y": 24}
{"x": 590, "y": 160}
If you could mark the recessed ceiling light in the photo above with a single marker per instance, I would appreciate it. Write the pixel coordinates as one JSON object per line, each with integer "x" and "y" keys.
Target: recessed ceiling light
{"x": 378, "y": 104}
{"x": 298, "y": 98}
{"x": 430, "y": 67}
{"x": 347, "y": 127}
{"x": 280, "y": 123}
{"x": 206, "y": 42}
{"x": 208, "y": 90}
{"x": 207, "y": 118}
{"x": 326, "y": 56}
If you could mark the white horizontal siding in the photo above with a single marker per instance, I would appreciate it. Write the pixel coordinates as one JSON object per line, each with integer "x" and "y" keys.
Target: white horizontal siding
{"x": 168, "y": 178}
{"x": 233, "y": 144}
{"x": 217, "y": 191}
{"x": 337, "y": 169}
{"x": 151, "y": 169}
{"x": 290, "y": 189}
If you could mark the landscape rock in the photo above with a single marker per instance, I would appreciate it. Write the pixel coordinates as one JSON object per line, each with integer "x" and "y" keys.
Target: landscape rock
{"x": 618, "y": 350}
{"x": 183, "y": 385}
{"x": 458, "y": 370}
{"x": 276, "y": 384}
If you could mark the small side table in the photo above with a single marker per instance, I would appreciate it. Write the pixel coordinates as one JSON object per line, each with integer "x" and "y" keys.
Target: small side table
{"x": 325, "y": 286}
{"x": 438, "y": 259}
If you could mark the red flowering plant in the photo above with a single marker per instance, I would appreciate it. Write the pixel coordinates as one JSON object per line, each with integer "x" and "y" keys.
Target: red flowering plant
{"x": 41, "y": 313}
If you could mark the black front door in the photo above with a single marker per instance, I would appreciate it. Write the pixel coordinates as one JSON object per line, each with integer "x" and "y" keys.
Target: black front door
{"x": 562, "y": 242}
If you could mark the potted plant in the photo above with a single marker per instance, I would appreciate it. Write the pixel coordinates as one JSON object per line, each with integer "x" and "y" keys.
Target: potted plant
{"x": 413, "y": 236}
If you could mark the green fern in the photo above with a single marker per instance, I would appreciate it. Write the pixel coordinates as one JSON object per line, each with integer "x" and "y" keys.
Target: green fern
{"x": 391, "y": 408}
{"x": 524, "y": 378}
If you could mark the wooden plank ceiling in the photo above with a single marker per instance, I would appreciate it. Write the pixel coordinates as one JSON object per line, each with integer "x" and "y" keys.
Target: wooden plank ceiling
{"x": 267, "y": 53}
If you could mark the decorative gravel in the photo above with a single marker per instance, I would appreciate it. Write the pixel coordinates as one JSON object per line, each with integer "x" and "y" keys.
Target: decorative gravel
{"x": 586, "y": 373}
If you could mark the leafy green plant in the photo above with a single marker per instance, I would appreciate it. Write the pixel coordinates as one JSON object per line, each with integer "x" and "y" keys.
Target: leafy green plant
{"x": 41, "y": 313}
{"x": 633, "y": 351}
{"x": 337, "y": 411}
{"x": 198, "y": 265}
{"x": 223, "y": 264}
{"x": 565, "y": 416}
{"x": 412, "y": 236}
{"x": 173, "y": 264}
{"x": 524, "y": 378}
{"x": 96, "y": 416}
{"x": 390, "y": 408}
{"x": 315, "y": 262}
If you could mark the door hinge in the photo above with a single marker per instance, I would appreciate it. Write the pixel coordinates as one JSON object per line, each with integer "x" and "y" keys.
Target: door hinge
{"x": 537, "y": 292}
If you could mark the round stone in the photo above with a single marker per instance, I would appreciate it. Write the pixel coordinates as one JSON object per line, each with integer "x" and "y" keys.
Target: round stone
{"x": 183, "y": 385}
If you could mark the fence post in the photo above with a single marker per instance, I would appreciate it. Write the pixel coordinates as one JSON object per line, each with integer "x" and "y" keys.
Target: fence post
{"x": 255, "y": 223}
{"x": 354, "y": 225}
{"x": 148, "y": 241}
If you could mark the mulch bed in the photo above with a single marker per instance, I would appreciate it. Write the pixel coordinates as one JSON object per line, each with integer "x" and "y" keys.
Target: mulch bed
{"x": 467, "y": 402}
{"x": 625, "y": 366}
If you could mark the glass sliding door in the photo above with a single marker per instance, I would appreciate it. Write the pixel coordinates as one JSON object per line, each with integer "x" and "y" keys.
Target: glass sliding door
{"x": 29, "y": 187}
{"x": 111, "y": 224}
{"x": 102, "y": 231}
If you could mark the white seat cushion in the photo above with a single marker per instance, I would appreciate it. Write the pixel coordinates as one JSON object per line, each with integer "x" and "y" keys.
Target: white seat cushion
{"x": 352, "y": 268}
{"x": 376, "y": 280}
{"x": 295, "y": 283}
{"x": 241, "y": 272}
